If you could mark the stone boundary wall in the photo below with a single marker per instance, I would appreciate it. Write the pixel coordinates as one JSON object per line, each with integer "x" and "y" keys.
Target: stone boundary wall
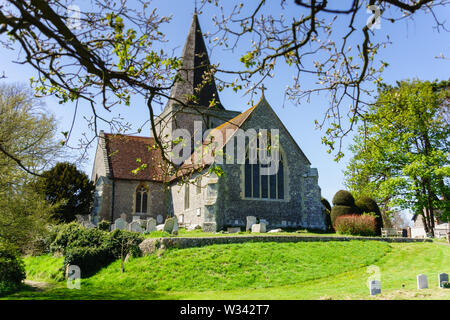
{"x": 151, "y": 245}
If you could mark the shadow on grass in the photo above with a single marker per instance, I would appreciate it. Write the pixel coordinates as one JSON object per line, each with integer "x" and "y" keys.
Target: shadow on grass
{"x": 60, "y": 292}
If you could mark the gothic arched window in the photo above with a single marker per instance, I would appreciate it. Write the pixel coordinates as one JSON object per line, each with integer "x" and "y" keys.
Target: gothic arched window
{"x": 262, "y": 186}
{"x": 141, "y": 199}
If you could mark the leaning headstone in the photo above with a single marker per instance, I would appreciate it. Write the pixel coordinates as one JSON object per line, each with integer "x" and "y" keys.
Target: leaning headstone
{"x": 422, "y": 281}
{"x": 442, "y": 277}
{"x": 375, "y": 287}
{"x": 135, "y": 226}
{"x": 159, "y": 219}
{"x": 151, "y": 225}
{"x": 234, "y": 229}
{"x": 251, "y": 220}
{"x": 168, "y": 225}
{"x": 175, "y": 226}
{"x": 259, "y": 227}
{"x": 120, "y": 224}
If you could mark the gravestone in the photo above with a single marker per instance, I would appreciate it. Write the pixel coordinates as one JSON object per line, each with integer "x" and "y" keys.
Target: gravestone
{"x": 175, "y": 226}
{"x": 123, "y": 216}
{"x": 194, "y": 227}
{"x": 159, "y": 219}
{"x": 422, "y": 281}
{"x": 442, "y": 277}
{"x": 209, "y": 227}
{"x": 283, "y": 223}
{"x": 251, "y": 220}
{"x": 120, "y": 224}
{"x": 168, "y": 225}
{"x": 151, "y": 225}
{"x": 234, "y": 229}
{"x": 135, "y": 226}
{"x": 275, "y": 230}
{"x": 160, "y": 227}
{"x": 264, "y": 221}
{"x": 375, "y": 287}
{"x": 259, "y": 227}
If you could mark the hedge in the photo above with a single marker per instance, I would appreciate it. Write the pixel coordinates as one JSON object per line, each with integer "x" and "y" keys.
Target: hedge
{"x": 92, "y": 249}
{"x": 368, "y": 205}
{"x": 357, "y": 225}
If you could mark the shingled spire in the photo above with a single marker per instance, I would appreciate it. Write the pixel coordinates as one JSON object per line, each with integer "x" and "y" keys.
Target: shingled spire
{"x": 195, "y": 67}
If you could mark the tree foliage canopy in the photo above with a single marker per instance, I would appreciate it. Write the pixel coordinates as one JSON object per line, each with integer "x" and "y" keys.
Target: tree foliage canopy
{"x": 116, "y": 50}
{"x": 69, "y": 188}
{"x": 401, "y": 151}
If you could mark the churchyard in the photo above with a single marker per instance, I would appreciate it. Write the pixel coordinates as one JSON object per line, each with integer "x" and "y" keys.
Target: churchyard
{"x": 253, "y": 270}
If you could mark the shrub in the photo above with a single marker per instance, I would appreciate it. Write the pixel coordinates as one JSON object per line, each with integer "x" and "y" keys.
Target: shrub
{"x": 12, "y": 270}
{"x": 366, "y": 205}
{"x": 360, "y": 225}
{"x": 338, "y": 211}
{"x": 74, "y": 235}
{"x": 92, "y": 249}
{"x": 343, "y": 198}
{"x": 89, "y": 259}
{"x": 104, "y": 225}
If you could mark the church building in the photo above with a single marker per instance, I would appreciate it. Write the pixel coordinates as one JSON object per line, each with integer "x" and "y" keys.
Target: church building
{"x": 287, "y": 198}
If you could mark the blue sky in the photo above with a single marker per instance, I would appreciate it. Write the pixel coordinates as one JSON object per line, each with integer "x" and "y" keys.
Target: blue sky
{"x": 411, "y": 55}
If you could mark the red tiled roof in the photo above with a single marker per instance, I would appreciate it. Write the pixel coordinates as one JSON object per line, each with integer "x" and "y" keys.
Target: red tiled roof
{"x": 123, "y": 152}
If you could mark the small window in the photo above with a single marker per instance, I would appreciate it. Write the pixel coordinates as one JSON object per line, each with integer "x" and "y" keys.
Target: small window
{"x": 141, "y": 199}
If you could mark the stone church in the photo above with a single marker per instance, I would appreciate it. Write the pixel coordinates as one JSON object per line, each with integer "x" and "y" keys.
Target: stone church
{"x": 289, "y": 198}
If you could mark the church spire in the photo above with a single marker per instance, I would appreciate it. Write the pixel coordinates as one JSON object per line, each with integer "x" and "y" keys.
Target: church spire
{"x": 195, "y": 66}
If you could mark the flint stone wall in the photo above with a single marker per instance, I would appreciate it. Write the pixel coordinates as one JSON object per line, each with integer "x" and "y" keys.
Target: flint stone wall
{"x": 151, "y": 245}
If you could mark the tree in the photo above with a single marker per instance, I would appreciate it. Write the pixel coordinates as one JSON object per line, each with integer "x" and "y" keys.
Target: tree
{"x": 26, "y": 143}
{"x": 65, "y": 185}
{"x": 401, "y": 151}
{"x": 115, "y": 51}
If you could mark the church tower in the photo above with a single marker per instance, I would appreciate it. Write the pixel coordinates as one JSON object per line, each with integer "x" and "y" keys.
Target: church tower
{"x": 194, "y": 80}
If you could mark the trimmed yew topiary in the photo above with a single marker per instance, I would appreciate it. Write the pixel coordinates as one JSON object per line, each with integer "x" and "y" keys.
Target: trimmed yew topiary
{"x": 325, "y": 203}
{"x": 343, "y": 198}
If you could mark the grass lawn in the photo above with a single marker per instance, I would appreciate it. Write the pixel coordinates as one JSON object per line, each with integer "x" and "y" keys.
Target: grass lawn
{"x": 308, "y": 270}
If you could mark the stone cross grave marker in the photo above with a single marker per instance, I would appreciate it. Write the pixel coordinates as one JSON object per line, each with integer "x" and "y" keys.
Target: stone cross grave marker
{"x": 375, "y": 287}
{"x": 422, "y": 281}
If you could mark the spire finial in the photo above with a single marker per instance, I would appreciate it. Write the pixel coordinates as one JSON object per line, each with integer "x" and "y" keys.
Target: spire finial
{"x": 195, "y": 6}
{"x": 262, "y": 87}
